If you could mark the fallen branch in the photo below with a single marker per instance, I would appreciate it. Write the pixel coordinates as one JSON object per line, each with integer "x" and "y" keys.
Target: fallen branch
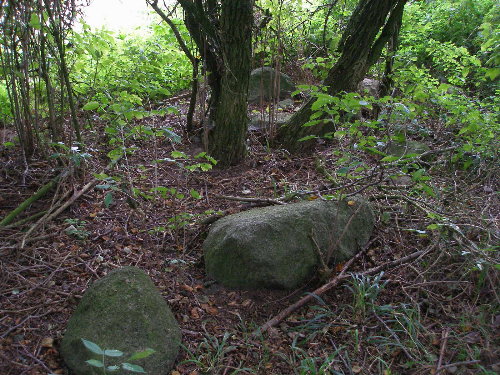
{"x": 444, "y": 342}
{"x": 51, "y": 215}
{"x": 25, "y": 220}
{"x": 334, "y": 282}
{"x": 248, "y": 199}
{"x": 24, "y": 205}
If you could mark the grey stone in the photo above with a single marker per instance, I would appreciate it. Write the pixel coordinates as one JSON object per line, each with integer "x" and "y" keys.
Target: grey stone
{"x": 122, "y": 311}
{"x": 262, "y": 85}
{"x": 260, "y": 121}
{"x": 369, "y": 86}
{"x": 401, "y": 149}
{"x": 271, "y": 247}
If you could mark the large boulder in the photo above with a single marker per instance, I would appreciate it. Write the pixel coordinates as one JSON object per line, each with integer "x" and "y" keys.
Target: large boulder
{"x": 122, "y": 311}
{"x": 262, "y": 85}
{"x": 272, "y": 247}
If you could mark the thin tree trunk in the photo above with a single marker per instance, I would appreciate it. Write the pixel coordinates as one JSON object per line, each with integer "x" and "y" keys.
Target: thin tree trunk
{"x": 359, "y": 51}
{"x": 64, "y": 70}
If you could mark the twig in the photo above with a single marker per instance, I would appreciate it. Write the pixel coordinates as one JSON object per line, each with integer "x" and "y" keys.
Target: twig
{"x": 444, "y": 342}
{"x": 51, "y": 216}
{"x": 334, "y": 282}
{"x": 40, "y": 193}
{"x": 461, "y": 363}
{"x": 248, "y": 199}
{"x": 393, "y": 334}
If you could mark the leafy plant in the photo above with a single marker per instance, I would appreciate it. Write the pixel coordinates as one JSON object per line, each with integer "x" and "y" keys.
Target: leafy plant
{"x": 112, "y": 353}
{"x": 77, "y": 228}
{"x": 365, "y": 290}
{"x": 304, "y": 364}
{"x": 211, "y": 355}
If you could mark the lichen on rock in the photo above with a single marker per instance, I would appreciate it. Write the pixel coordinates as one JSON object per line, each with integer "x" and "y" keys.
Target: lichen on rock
{"x": 122, "y": 311}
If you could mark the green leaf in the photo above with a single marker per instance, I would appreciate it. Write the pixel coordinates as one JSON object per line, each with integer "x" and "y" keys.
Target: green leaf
{"x": 95, "y": 363}
{"x": 100, "y": 176}
{"x": 35, "y": 22}
{"x": 390, "y": 158}
{"x": 103, "y": 187}
{"x": 195, "y": 194}
{"x": 432, "y": 226}
{"x": 307, "y": 138}
{"x": 178, "y": 155}
{"x": 140, "y": 355}
{"x": 108, "y": 199}
{"x": 94, "y": 348}
{"x": 205, "y": 167}
{"x": 90, "y": 106}
{"x": 113, "y": 353}
{"x": 133, "y": 368}
{"x": 113, "y": 368}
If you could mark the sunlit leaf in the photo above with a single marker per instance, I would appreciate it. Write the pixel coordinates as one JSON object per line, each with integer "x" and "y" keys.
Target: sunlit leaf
{"x": 140, "y": 355}
{"x": 90, "y": 106}
{"x": 113, "y": 353}
{"x": 94, "y": 348}
{"x": 133, "y": 368}
{"x": 95, "y": 363}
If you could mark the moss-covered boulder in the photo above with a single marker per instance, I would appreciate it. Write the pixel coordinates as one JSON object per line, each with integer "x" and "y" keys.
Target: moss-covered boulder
{"x": 263, "y": 85}
{"x": 273, "y": 247}
{"x": 122, "y": 311}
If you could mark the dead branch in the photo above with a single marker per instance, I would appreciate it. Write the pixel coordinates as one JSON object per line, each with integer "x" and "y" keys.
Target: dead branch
{"x": 52, "y": 215}
{"x": 335, "y": 281}
{"x": 248, "y": 199}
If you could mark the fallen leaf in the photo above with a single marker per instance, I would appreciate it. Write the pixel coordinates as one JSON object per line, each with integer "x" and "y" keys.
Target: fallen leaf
{"x": 187, "y": 288}
{"x": 351, "y": 203}
{"x": 210, "y": 309}
{"x": 356, "y": 369}
{"x": 194, "y": 313}
{"x": 47, "y": 342}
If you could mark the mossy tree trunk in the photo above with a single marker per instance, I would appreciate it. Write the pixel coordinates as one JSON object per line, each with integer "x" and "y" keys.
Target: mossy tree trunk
{"x": 222, "y": 31}
{"x": 360, "y": 48}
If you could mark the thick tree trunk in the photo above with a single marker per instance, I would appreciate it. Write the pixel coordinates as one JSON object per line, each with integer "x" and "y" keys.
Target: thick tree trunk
{"x": 227, "y": 139}
{"x": 360, "y": 48}
{"x": 223, "y": 35}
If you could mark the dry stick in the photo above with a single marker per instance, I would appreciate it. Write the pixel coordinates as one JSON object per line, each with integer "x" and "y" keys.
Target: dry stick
{"x": 393, "y": 334}
{"x": 53, "y": 215}
{"x": 444, "y": 342}
{"x": 461, "y": 363}
{"x": 40, "y": 193}
{"x": 332, "y": 283}
{"x": 247, "y": 199}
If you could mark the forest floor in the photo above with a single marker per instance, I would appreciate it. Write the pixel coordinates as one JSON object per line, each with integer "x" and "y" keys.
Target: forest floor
{"x": 438, "y": 313}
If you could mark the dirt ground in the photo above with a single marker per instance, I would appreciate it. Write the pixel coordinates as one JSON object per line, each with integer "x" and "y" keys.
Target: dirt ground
{"x": 437, "y": 313}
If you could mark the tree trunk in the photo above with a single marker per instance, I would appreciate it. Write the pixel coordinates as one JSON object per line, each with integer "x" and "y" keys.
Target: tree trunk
{"x": 360, "y": 48}
{"x": 223, "y": 35}
{"x": 227, "y": 139}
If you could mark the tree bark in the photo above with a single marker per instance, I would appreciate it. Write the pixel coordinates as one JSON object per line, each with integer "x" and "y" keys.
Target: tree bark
{"x": 222, "y": 32}
{"x": 227, "y": 139}
{"x": 360, "y": 48}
